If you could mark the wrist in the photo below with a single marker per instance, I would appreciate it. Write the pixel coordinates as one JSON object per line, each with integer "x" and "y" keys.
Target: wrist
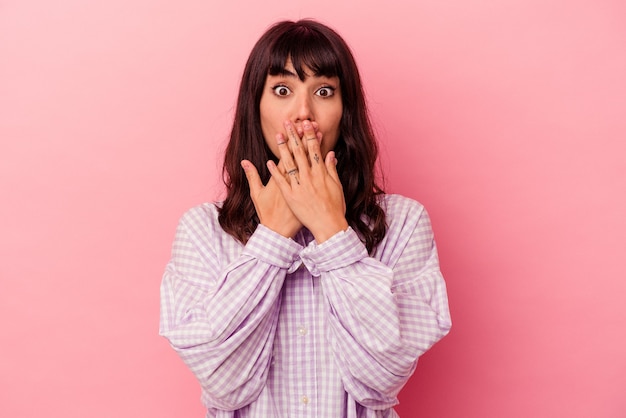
{"x": 287, "y": 231}
{"x": 326, "y": 231}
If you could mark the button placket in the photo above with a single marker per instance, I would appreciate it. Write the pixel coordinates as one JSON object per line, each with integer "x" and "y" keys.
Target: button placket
{"x": 303, "y": 392}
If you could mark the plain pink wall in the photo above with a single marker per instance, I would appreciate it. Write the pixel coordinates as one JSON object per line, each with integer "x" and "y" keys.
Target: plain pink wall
{"x": 506, "y": 118}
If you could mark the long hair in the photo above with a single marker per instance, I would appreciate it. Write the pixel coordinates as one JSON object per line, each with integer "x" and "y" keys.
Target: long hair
{"x": 308, "y": 44}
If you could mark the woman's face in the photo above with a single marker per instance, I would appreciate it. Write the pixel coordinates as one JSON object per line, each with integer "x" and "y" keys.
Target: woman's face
{"x": 287, "y": 98}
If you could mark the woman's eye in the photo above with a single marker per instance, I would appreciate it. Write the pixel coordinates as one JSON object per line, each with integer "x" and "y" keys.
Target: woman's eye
{"x": 281, "y": 91}
{"x": 325, "y": 91}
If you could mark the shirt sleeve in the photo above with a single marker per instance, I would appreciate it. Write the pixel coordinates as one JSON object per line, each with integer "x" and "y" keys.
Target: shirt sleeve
{"x": 383, "y": 311}
{"x": 220, "y": 315}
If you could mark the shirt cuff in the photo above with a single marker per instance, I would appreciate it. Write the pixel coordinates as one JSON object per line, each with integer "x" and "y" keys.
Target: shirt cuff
{"x": 272, "y": 248}
{"x": 340, "y": 250}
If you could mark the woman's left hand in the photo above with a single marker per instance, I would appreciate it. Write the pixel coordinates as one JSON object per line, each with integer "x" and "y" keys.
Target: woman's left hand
{"x": 313, "y": 192}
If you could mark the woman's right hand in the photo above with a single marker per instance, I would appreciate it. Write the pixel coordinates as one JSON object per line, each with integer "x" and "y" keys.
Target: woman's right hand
{"x": 270, "y": 204}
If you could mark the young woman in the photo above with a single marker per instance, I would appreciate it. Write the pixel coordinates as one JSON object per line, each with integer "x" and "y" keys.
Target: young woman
{"x": 307, "y": 291}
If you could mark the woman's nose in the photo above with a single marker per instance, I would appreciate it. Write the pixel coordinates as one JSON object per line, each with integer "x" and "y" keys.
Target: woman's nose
{"x": 303, "y": 109}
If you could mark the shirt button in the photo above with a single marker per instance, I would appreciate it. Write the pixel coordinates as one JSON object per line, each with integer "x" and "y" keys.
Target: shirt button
{"x": 302, "y": 330}
{"x": 304, "y": 399}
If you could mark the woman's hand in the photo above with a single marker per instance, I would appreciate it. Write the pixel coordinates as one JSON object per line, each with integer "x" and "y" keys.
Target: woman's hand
{"x": 312, "y": 189}
{"x": 269, "y": 203}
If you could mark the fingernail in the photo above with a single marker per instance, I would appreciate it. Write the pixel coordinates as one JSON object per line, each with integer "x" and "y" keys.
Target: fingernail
{"x": 306, "y": 124}
{"x": 244, "y": 165}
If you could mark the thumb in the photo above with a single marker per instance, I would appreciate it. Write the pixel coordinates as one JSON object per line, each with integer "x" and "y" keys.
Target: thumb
{"x": 254, "y": 180}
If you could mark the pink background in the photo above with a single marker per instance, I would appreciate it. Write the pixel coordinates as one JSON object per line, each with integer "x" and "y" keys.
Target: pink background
{"x": 506, "y": 118}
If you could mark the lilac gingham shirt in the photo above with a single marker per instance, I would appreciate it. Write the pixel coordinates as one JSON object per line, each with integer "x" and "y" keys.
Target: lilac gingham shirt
{"x": 286, "y": 328}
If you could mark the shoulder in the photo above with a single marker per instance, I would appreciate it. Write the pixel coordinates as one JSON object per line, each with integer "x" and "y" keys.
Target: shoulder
{"x": 201, "y": 220}
{"x": 408, "y": 227}
{"x": 399, "y": 208}
{"x": 199, "y": 229}
{"x": 205, "y": 213}
{"x": 406, "y": 217}
{"x": 202, "y": 212}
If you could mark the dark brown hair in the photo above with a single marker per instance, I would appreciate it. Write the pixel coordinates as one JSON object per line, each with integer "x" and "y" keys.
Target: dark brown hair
{"x": 308, "y": 44}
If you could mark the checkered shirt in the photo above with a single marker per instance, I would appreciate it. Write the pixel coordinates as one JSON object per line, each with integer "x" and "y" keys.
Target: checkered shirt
{"x": 287, "y": 328}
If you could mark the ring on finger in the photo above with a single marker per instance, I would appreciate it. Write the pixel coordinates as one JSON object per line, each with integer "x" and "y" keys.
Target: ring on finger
{"x": 294, "y": 173}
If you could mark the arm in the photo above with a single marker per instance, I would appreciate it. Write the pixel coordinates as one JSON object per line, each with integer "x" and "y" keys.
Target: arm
{"x": 220, "y": 315}
{"x": 383, "y": 312}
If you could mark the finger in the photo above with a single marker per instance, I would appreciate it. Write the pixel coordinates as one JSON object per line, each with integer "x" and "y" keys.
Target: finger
{"x": 301, "y": 131}
{"x": 252, "y": 175}
{"x": 282, "y": 171}
{"x": 281, "y": 167}
{"x": 286, "y": 159}
{"x": 293, "y": 176}
{"x": 281, "y": 182}
{"x": 312, "y": 141}
{"x": 296, "y": 147}
{"x": 290, "y": 168}
{"x": 331, "y": 166}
